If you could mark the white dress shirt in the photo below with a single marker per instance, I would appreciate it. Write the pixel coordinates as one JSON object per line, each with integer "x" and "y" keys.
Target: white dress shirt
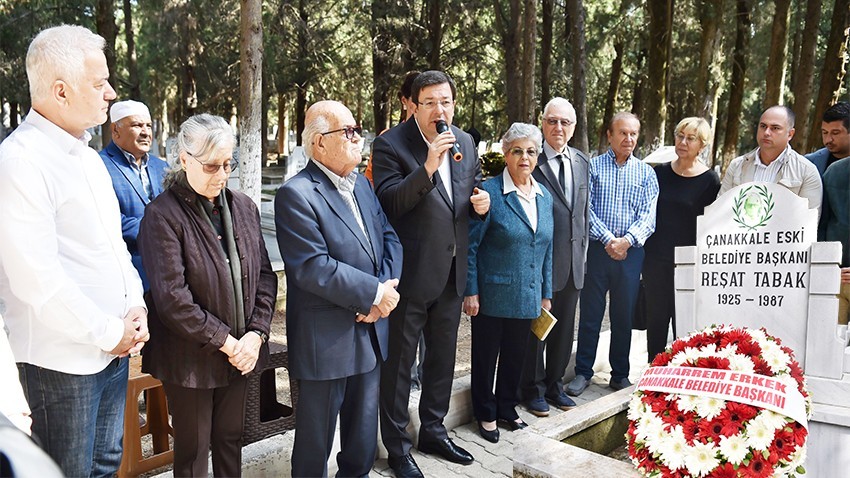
{"x": 528, "y": 202}
{"x": 444, "y": 170}
{"x": 65, "y": 273}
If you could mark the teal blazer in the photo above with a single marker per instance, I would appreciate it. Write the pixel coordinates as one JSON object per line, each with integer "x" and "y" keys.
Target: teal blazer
{"x": 510, "y": 265}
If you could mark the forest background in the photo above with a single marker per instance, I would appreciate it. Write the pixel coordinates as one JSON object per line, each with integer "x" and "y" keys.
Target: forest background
{"x": 262, "y": 63}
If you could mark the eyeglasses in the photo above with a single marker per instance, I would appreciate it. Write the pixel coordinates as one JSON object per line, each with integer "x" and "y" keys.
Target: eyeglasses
{"x": 349, "y": 131}
{"x": 519, "y": 152}
{"x": 554, "y": 122}
{"x": 214, "y": 168}
{"x": 688, "y": 139}
{"x": 431, "y": 104}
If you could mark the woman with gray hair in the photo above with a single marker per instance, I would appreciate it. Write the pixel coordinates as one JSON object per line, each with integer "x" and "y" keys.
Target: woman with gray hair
{"x": 509, "y": 280}
{"x": 211, "y": 299}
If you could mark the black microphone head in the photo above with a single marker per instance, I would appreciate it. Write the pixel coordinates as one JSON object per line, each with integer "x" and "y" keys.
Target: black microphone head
{"x": 442, "y": 127}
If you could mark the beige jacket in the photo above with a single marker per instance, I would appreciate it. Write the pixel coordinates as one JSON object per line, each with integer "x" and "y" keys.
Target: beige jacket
{"x": 798, "y": 174}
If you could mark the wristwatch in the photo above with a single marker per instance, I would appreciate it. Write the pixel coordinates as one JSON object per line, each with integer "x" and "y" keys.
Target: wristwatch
{"x": 264, "y": 336}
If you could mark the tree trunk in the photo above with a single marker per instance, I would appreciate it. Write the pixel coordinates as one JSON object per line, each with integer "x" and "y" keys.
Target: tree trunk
{"x": 736, "y": 89}
{"x": 655, "y": 118}
{"x": 546, "y": 37}
{"x": 709, "y": 56}
{"x": 804, "y": 74}
{"x": 435, "y": 33}
{"x": 575, "y": 9}
{"x": 529, "y": 49}
{"x": 282, "y": 126}
{"x": 105, "y": 20}
{"x": 132, "y": 64}
{"x": 775, "y": 75}
{"x": 381, "y": 67}
{"x": 510, "y": 28}
{"x": 611, "y": 97}
{"x": 833, "y": 69}
{"x": 640, "y": 86}
{"x": 302, "y": 83}
{"x": 188, "y": 48}
{"x": 251, "y": 134}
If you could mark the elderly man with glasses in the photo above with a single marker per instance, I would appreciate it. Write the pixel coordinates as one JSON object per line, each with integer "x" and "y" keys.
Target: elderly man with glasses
{"x": 430, "y": 198}
{"x": 343, "y": 262}
{"x": 563, "y": 170}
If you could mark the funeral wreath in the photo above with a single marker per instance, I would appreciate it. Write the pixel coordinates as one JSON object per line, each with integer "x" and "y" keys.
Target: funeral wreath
{"x": 722, "y": 402}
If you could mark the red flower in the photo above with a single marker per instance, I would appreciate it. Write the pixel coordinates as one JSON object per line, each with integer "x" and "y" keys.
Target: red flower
{"x": 783, "y": 444}
{"x": 759, "y": 467}
{"x": 690, "y": 430}
{"x": 749, "y": 348}
{"x": 738, "y": 412}
{"x": 734, "y": 337}
{"x": 721, "y": 363}
{"x": 761, "y": 367}
{"x": 711, "y": 429}
{"x": 677, "y": 347}
{"x": 662, "y": 359}
{"x": 726, "y": 470}
{"x": 800, "y": 434}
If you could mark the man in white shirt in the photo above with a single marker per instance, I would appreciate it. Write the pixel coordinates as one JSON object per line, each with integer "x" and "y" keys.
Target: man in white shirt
{"x": 774, "y": 161}
{"x": 74, "y": 301}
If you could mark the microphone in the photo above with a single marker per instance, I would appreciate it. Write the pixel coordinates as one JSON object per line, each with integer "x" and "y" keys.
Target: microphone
{"x": 442, "y": 127}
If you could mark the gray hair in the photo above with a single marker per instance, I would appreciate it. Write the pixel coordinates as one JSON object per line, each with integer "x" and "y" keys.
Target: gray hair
{"x": 318, "y": 125}
{"x": 59, "y": 53}
{"x": 199, "y": 136}
{"x": 558, "y": 101}
{"x": 519, "y": 131}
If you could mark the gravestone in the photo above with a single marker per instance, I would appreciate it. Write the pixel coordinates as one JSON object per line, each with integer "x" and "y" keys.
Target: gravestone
{"x": 757, "y": 264}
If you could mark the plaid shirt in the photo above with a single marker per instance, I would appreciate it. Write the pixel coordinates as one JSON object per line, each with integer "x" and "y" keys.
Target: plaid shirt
{"x": 622, "y": 199}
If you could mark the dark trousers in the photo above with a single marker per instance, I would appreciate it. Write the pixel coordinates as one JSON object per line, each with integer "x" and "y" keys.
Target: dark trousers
{"x": 541, "y": 379}
{"x": 660, "y": 304}
{"x": 438, "y": 321}
{"x": 621, "y": 279}
{"x": 355, "y": 400}
{"x": 506, "y": 340}
{"x": 204, "y": 418}
{"x": 79, "y": 419}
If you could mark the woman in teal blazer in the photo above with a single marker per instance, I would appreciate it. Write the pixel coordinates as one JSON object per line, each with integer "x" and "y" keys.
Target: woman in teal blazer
{"x": 509, "y": 280}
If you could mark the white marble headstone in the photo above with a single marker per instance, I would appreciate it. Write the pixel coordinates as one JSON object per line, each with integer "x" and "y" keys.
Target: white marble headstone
{"x": 753, "y": 261}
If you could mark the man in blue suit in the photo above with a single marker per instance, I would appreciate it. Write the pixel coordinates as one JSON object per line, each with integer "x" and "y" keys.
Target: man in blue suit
{"x": 343, "y": 261}
{"x": 136, "y": 174}
{"x": 835, "y": 129}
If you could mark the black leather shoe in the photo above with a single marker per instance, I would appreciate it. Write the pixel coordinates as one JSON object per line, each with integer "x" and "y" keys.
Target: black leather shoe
{"x": 490, "y": 435}
{"x": 448, "y": 450}
{"x": 512, "y": 425}
{"x": 405, "y": 467}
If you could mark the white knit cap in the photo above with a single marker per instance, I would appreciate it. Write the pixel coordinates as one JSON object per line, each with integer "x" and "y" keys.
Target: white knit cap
{"x": 123, "y": 109}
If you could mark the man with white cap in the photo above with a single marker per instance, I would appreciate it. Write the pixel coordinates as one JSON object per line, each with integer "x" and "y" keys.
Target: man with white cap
{"x": 136, "y": 174}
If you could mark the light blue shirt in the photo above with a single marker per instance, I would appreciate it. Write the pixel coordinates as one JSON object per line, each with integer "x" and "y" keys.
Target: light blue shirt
{"x": 622, "y": 199}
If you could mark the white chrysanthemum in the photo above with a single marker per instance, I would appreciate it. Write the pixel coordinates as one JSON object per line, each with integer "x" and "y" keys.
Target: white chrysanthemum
{"x": 727, "y": 351}
{"x": 710, "y": 407}
{"x": 678, "y": 359}
{"x": 775, "y": 357}
{"x": 708, "y": 350}
{"x": 759, "y": 336}
{"x": 673, "y": 448}
{"x": 701, "y": 459}
{"x": 644, "y": 426}
{"x": 654, "y": 433}
{"x": 759, "y": 434}
{"x": 688, "y": 403}
{"x": 733, "y": 448}
{"x": 798, "y": 457}
{"x": 741, "y": 363}
{"x": 691, "y": 354}
{"x": 771, "y": 419}
{"x": 636, "y": 408}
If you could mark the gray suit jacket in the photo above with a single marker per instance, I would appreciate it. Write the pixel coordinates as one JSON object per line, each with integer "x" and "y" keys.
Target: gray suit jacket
{"x": 571, "y": 226}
